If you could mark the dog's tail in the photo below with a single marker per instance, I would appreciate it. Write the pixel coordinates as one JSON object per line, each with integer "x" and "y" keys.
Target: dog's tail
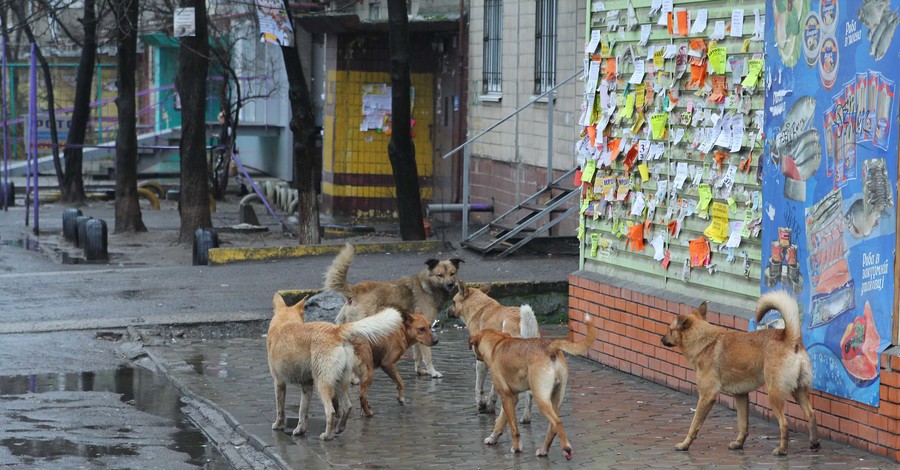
{"x": 786, "y": 305}
{"x": 336, "y": 275}
{"x": 579, "y": 348}
{"x": 528, "y": 326}
{"x": 374, "y": 327}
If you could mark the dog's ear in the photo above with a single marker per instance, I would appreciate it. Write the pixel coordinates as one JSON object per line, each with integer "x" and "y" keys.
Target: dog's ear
{"x": 473, "y": 341}
{"x": 683, "y": 323}
{"x": 485, "y": 288}
{"x": 431, "y": 263}
{"x": 278, "y": 301}
{"x": 456, "y": 262}
{"x": 461, "y": 286}
{"x": 701, "y": 310}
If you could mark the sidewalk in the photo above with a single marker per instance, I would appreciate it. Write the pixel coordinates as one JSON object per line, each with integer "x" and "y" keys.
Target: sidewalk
{"x": 614, "y": 420}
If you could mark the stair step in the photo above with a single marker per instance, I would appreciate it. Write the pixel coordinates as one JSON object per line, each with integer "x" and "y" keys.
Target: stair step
{"x": 537, "y": 208}
{"x": 510, "y": 228}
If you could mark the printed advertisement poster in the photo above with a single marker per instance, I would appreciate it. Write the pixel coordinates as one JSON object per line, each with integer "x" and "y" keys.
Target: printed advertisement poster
{"x": 274, "y": 27}
{"x": 828, "y": 181}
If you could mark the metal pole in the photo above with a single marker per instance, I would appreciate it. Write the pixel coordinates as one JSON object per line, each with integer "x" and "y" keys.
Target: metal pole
{"x": 550, "y": 100}
{"x": 3, "y": 89}
{"x": 34, "y": 136}
{"x": 465, "y": 214}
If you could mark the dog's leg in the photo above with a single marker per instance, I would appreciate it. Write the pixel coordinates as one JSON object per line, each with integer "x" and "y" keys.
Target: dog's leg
{"x": 326, "y": 394}
{"x": 499, "y": 427}
{"x": 704, "y": 404}
{"x": 424, "y": 352}
{"x": 526, "y": 415}
{"x": 492, "y": 399}
{"x": 742, "y": 405}
{"x": 303, "y": 417}
{"x": 802, "y": 397}
{"x": 391, "y": 371}
{"x": 509, "y": 410}
{"x": 481, "y": 370}
{"x": 776, "y": 399}
{"x": 345, "y": 404}
{"x": 550, "y": 410}
{"x": 364, "y": 383}
{"x": 280, "y": 392}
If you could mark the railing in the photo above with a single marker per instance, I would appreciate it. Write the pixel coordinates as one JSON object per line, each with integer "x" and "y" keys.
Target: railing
{"x": 467, "y": 152}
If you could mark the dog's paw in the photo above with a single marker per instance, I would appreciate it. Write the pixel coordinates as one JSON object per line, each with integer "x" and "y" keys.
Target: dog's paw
{"x": 490, "y": 409}
{"x": 490, "y": 440}
{"x": 354, "y": 381}
{"x": 482, "y": 407}
{"x": 421, "y": 371}
{"x": 299, "y": 431}
{"x": 682, "y": 446}
{"x": 401, "y": 400}
{"x": 326, "y": 437}
{"x": 815, "y": 446}
{"x": 366, "y": 412}
{"x": 278, "y": 425}
{"x": 435, "y": 374}
{"x": 736, "y": 445}
{"x": 525, "y": 419}
{"x": 541, "y": 452}
{"x": 514, "y": 449}
{"x": 568, "y": 453}
{"x": 779, "y": 451}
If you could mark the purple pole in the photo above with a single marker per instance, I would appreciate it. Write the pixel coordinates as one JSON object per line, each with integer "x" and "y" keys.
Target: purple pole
{"x": 5, "y": 130}
{"x": 34, "y": 150}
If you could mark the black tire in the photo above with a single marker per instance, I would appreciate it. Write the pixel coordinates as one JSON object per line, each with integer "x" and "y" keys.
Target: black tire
{"x": 80, "y": 238}
{"x": 69, "y": 216}
{"x": 9, "y": 192}
{"x": 96, "y": 246}
{"x": 204, "y": 239}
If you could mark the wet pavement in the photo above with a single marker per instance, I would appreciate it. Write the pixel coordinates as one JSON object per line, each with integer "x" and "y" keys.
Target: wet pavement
{"x": 614, "y": 420}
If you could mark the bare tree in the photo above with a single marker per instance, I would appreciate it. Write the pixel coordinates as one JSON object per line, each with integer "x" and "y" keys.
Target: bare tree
{"x": 401, "y": 150}
{"x": 303, "y": 130}
{"x": 193, "y": 69}
{"x": 128, "y": 209}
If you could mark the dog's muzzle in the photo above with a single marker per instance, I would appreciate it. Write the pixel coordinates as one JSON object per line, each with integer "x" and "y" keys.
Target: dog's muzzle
{"x": 666, "y": 341}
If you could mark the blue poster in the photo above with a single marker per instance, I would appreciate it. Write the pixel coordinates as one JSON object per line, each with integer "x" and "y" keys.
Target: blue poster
{"x": 832, "y": 69}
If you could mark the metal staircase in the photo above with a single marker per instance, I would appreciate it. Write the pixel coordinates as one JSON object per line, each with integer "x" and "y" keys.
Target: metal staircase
{"x": 524, "y": 222}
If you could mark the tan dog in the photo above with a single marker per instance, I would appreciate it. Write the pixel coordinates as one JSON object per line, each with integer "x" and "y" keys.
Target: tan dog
{"x": 520, "y": 364}
{"x": 320, "y": 354}
{"x": 426, "y": 291}
{"x": 385, "y": 352}
{"x": 737, "y": 362}
{"x": 480, "y": 311}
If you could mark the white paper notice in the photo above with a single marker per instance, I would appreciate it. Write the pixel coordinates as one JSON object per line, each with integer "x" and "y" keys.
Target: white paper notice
{"x": 737, "y": 22}
{"x": 718, "y": 31}
{"x": 594, "y": 42}
{"x": 668, "y": 6}
{"x": 638, "y": 76}
{"x": 734, "y": 229}
{"x": 700, "y": 22}
{"x": 612, "y": 20}
{"x": 659, "y": 251}
{"x": 758, "y": 27}
{"x": 655, "y": 6}
{"x": 737, "y": 133}
{"x": 645, "y": 33}
{"x": 671, "y": 51}
{"x": 681, "y": 173}
{"x": 679, "y": 134}
{"x": 662, "y": 187}
{"x": 637, "y": 206}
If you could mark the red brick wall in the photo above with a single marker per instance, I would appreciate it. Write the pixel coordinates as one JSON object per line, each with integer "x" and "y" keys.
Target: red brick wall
{"x": 630, "y": 325}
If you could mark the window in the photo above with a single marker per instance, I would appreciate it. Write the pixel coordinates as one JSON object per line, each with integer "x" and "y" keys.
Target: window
{"x": 493, "y": 57}
{"x": 544, "y": 46}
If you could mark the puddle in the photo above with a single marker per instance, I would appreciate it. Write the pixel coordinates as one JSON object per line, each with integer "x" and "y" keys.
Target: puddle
{"x": 26, "y": 244}
{"x": 138, "y": 387}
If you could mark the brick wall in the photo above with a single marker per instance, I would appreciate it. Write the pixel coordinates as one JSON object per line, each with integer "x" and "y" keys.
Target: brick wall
{"x": 630, "y": 324}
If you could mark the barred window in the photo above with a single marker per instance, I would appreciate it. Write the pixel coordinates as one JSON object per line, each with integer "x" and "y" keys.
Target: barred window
{"x": 545, "y": 46}
{"x": 493, "y": 58}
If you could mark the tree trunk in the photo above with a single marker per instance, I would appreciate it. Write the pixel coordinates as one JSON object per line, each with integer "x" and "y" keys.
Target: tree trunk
{"x": 73, "y": 182}
{"x": 48, "y": 83}
{"x": 401, "y": 151}
{"x": 303, "y": 131}
{"x": 193, "y": 59}
{"x": 128, "y": 209}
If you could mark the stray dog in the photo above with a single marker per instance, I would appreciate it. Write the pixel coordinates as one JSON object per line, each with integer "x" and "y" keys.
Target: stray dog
{"x": 385, "y": 352}
{"x": 480, "y": 311}
{"x": 426, "y": 291}
{"x": 536, "y": 364}
{"x": 320, "y": 354}
{"x": 737, "y": 362}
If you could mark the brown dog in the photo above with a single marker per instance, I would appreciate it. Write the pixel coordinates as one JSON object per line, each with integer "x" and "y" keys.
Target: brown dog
{"x": 320, "y": 354}
{"x": 479, "y": 311}
{"x": 737, "y": 362}
{"x": 520, "y": 364}
{"x": 426, "y": 291}
{"x": 385, "y": 352}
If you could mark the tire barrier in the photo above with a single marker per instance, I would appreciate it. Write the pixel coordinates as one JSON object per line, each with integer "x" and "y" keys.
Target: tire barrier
{"x": 81, "y": 230}
{"x": 69, "y": 216}
{"x": 204, "y": 239}
{"x": 153, "y": 186}
{"x": 96, "y": 246}
{"x": 8, "y": 191}
{"x": 150, "y": 196}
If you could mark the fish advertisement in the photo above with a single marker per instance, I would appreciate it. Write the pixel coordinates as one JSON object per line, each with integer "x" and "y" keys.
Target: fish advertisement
{"x": 829, "y": 179}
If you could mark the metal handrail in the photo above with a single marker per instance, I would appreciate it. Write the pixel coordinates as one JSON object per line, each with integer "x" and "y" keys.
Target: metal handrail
{"x": 517, "y": 111}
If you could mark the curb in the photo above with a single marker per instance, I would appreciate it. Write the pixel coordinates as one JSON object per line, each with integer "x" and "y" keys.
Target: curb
{"x": 218, "y": 256}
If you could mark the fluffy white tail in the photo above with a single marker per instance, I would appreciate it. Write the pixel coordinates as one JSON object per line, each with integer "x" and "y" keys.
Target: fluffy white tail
{"x": 787, "y": 306}
{"x": 336, "y": 275}
{"x": 528, "y": 325}
{"x": 374, "y": 327}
